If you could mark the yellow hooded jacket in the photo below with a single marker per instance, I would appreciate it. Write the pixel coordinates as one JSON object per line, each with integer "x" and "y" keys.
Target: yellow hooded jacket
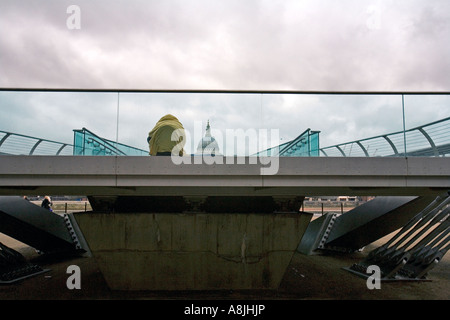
{"x": 161, "y": 136}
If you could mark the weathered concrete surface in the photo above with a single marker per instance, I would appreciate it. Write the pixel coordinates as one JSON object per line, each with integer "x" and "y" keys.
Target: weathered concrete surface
{"x": 159, "y": 176}
{"x": 196, "y": 204}
{"x": 198, "y": 251}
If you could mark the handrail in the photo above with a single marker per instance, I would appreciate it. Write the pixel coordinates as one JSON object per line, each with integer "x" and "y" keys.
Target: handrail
{"x": 234, "y": 91}
{"x": 59, "y": 146}
{"x": 433, "y": 147}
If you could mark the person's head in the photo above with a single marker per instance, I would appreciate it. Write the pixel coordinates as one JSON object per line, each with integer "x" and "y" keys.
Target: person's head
{"x": 168, "y": 117}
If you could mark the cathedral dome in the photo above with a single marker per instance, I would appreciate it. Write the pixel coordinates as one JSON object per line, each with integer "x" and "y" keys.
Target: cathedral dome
{"x": 208, "y": 145}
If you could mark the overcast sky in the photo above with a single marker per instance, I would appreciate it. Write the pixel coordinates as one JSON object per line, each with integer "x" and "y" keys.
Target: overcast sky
{"x": 400, "y": 45}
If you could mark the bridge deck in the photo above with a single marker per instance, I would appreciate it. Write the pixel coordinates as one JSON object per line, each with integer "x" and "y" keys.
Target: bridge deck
{"x": 129, "y": 175}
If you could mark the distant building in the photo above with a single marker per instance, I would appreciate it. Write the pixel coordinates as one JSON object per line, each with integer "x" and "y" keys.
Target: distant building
{"x": 208, "y": 145}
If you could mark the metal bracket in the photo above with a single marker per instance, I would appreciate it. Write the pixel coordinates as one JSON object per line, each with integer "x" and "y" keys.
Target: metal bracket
{"x": 14, "y": 267}
{"x": 327, "y": 231}
{"x": 414, "y": 250}
{"x": 72, "y": 232}
{"x": 76, "y": 234}
{"x": 317, "y": 234}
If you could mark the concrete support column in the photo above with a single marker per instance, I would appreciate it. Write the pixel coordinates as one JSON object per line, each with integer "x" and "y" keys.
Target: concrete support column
{"x": 192, "y": 251}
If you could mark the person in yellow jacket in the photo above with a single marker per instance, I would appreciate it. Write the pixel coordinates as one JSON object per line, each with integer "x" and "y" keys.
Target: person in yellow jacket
{"x": 167, "y": 134}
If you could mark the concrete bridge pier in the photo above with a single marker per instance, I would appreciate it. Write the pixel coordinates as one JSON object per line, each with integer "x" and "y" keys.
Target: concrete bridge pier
{"x": 192, "y": 251}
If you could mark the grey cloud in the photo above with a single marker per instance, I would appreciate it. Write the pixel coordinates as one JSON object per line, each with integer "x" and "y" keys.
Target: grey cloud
{"x": 234, "y": 44}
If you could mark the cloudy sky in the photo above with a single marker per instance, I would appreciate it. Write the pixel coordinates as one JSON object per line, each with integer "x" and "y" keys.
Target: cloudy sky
{"x": 345, "y": 45}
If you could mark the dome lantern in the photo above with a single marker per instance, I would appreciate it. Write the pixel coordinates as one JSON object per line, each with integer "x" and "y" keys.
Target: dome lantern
{"x": 208, "y": 145}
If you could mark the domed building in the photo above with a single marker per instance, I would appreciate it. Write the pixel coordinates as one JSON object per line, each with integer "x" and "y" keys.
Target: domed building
{"x": 208, "y": 145}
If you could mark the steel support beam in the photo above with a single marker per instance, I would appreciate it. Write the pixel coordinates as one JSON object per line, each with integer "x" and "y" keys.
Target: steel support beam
{"x": 415, "y": 249}
{"x": 361, "y": 226}
{"x": 38, "y": 227}
{"x": 373, "y": 220}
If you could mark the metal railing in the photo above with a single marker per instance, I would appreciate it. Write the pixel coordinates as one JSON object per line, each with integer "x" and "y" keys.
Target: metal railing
{"x": 430, "y": 140}
{"x": 19, "y": 144}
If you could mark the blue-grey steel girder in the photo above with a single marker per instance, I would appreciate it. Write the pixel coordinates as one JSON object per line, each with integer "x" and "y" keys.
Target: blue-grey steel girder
{"x": 38, "y": 227}
{"x": 362, "y": 225}
{"x": 414, "y": 250}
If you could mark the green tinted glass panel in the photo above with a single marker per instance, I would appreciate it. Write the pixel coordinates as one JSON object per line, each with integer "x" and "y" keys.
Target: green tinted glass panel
{"x": 87, "y": 143}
